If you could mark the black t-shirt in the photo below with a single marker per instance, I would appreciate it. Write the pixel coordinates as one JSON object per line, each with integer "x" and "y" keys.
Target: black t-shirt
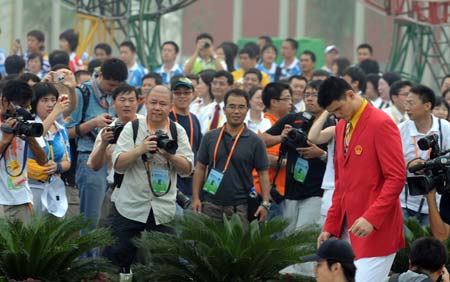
{"x": 311, "y": 187}
{"x": 444, "y": 207}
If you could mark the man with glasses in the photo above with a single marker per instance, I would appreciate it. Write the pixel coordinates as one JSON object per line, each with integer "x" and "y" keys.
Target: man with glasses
{"x": 182, "y": 92}
{"x": 398, "y": 93}
{"x": 213, "y": 116}
{"x": 228, "y": 156}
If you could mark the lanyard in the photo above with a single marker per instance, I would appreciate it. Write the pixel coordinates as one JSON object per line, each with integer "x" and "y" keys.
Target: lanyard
{"x": 150, "y": 126}
{"x": 394, "y": 114}
{"x": 104, "y": 105}
{"x": 416, "y": 150}
{"x": 232, "y": 148}
{"x": 191, "y": 127}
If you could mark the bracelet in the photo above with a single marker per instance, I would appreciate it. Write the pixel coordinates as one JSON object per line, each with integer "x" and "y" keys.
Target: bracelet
{"x": 58, "y": 168}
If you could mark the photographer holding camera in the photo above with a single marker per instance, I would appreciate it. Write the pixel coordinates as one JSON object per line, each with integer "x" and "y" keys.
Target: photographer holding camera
{"x": 150, "y": 163}
{"x": 306, "y": 161}
{"x": 16, "y": 137}
{"x": 204, "y": 57}
{"x": 423, "y": 127}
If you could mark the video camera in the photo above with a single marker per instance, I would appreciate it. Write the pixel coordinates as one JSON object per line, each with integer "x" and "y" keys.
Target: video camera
{"x": 116, "y": 129}
{"x": 24, "y": 127}
{"x": 297, "y": 137}
{"x": 164, "y": 142}
{"x": 436, "y": 169}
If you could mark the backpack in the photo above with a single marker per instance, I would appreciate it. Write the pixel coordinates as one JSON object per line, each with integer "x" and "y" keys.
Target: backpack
{"x": 69, "y": 176}
{"x": 118, "y": 177}
{"x": 395, "y": 278}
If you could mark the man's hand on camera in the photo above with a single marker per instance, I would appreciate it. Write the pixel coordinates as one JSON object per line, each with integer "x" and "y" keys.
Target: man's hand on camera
{"x": 107, "y": 135}
{"x": 416, "y": 162}
{"x": 8, "y": 137}
{"x": 311, "y": 152}
{"x": 149, "y": 145}
{"x": 103, "y": 120}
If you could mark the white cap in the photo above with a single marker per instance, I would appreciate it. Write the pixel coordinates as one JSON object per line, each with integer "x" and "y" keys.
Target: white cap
{"x": 54, "y": 197}
{"x": 330, "y": 48}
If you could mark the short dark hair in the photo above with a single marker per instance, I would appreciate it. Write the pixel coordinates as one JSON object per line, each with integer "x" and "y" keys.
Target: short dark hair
{"x": 269, "y": 46}
{"x": 440, "y": 101}
{"x": 425, "y": 93}
{"x": 428, "y": 254}
{"x": 71, "y": 37}
{"x": 124, "y": 88}
{"x": 39, "y": 35}
{"x": 314, "y": 84}
{"x": 254, "y": 47}
{"x": 391, "y": 77}
{"x": 332, "y": 89}
{"x": 253, "y": 91}
{"x": 254, "y": 71}
{"x": 293, "y": 42}
{"x": 273, "y": 90}
{"x": 249, "y": 51}
{"x": 105, "y": 47}
{"x": 29, "y": 76}
{"x": 14, "y": 64}
{"x": 60, "y": 67}
{"x": 373, "y": 78}
{"x": 236, "y": 92}
{"x": 204, "y": 36}
{"x": 175, "y": 45}
{"x": 41, "y": 90}
{"x": 266, "y": 38}
{"x": 365, "y": 46}
{"x": 320, "y": 73}
{"x": 193, "y": 76}
{"x": 397, "y": 86}
{"x": 298, "y": 77}
{"x": 342, "y": 65}
{"x": 357, "y": 74}
{"x": 95, "y": 63}
{"x": 349, "y": 269}
{"x": 114, "y": 69}
{"x": 79, "y": 73}
{"x": 17, "y": 91}
{"x": 369, "y": 66}
{"x": 226, "y": 74}
{"x": 207, "y": 77}
{"x": 311, "y": 55}
{"x": 36, "y": 55}
{"x": 58, "y": 57}
{"x": 157, "y": 77}
{"x": 128, "y": 44}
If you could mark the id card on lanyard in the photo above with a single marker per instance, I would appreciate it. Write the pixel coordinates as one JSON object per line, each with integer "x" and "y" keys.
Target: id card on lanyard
{"x": 215, "y": 176}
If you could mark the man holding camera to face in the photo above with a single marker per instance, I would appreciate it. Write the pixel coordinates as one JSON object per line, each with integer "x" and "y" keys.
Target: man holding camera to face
{"x": 150, "y": 152}
{"x": 204, "y": 57}
{"x": 17, "y": 135}
{"x": 425, "y": 139}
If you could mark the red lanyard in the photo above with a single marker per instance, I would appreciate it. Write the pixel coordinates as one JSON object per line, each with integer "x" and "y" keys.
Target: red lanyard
{"x": 191, "y": 127}
{"x": 232, "y": 148}
{"x": 416, "y": 150}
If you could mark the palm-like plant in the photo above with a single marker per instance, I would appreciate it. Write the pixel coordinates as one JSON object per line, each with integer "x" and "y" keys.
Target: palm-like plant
{"x": 47, "y": 249}
{"x": 205, "y": 250}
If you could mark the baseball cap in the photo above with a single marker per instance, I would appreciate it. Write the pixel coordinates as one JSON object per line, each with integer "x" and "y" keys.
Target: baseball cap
{"x": 54, "y": 197}
{"x": 330, "y": 48}
{"x": 182, "y": 81}
{"x": 332, "y": 249}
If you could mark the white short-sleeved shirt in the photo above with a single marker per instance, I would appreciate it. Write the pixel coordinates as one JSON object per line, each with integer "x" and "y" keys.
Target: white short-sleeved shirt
{"x": 260, "y": 127}
{"x": 134, "y": 199}
{"x": 410, "y": 136}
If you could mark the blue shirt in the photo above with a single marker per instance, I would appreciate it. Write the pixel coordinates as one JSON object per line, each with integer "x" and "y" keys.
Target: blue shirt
{"x": 288, "y": 71}
{"x": 60, "y": 146}
{"x": 270, "y": 73}
{"x": 184, "y": 184}
{"x": 3, "y": 56}
{"x": 94, "y": 109}
{"x": 166, "y": 76}
{"x": 135, "y": 75}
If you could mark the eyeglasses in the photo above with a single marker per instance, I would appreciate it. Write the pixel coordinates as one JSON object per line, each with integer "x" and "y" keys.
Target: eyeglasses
{"x": 241, "y": 108}
{"x": 180, "y": 92}
{"x": 287, "y": 99}
{"x": 307, "y": 95}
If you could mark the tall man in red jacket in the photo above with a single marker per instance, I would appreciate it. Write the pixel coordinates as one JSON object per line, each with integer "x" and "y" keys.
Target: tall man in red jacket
{"x": 369, "y": 176}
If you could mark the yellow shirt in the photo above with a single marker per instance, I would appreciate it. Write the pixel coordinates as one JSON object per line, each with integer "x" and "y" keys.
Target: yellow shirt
{"x": 238, "y": 74}
{"x": 356, "y": 117}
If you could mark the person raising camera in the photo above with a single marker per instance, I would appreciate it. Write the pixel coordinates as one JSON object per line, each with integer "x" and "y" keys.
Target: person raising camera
{"x": 15, "y": 195}
{"x": 150, "y": 162}
{"x": 419, "y": 105}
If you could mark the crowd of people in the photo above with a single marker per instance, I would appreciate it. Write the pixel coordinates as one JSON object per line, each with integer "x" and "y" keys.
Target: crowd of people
{"x": 327, "y": 145}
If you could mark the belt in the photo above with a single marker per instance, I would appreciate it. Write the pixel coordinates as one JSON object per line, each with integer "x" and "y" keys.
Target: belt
{"x": 84, "y": 152}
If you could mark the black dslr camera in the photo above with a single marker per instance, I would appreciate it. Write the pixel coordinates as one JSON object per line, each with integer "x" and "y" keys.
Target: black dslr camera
{"x": 24, "y": 127}
{"x": 183, "y": 200}
{"x": 116, "y": 129}
{"x": 436, "y": 169}
{"x": 164, "y": 142}
{"x": 297, "y": 137}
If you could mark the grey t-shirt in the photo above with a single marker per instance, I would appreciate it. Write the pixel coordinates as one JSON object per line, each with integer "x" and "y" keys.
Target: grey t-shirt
{"x": 249, "y": 154}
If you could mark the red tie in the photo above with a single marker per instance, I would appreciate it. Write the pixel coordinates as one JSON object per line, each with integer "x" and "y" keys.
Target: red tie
{"x": 215, "y": 120}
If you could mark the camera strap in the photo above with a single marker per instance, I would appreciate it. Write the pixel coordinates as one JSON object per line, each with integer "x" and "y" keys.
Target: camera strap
{"x": 230, "y": 154}
{"x": 24, "y": 161}
{"x": 277, "y": 169}
{"x": 149, "y": 177}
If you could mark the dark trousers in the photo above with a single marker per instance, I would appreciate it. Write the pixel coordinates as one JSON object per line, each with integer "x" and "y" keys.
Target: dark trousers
{"x": 123, "y": 252}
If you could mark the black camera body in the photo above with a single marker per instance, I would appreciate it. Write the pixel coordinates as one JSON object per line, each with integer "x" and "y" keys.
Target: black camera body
{"x": 116, "y": 129}
{"x": 183, "y": 200}
{"x": 436, "y": 169}
{"x": 206, "y": 45}
{"x": 297, "y": 137}
{"x": 24, "y": 127}
{"x": 165, "y": 142}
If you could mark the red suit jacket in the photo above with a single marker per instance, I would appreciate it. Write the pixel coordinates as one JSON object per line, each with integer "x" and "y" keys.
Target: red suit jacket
{"x": 368, "y": 182}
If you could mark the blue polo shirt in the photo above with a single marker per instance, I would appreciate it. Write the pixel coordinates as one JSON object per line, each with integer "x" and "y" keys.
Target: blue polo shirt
{"x": 94, "y": 109}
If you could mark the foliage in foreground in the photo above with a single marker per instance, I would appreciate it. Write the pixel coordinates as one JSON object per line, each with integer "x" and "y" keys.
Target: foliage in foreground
{"x": 47, "y": 249}
{"x": 205, "y": 250}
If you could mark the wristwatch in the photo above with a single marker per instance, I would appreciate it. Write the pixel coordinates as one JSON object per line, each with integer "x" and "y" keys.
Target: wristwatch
{"x": 324, "y": 157}
{"x": 266, "y": 204}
